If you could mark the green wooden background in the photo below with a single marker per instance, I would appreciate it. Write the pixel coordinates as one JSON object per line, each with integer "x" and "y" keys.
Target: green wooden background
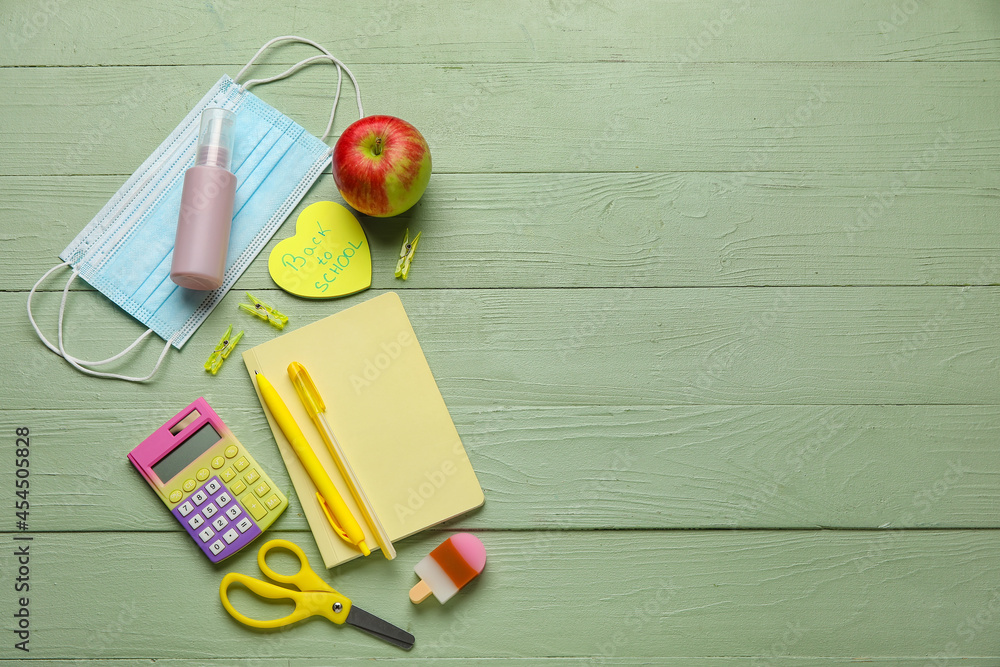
{"x": 709, "y": 286}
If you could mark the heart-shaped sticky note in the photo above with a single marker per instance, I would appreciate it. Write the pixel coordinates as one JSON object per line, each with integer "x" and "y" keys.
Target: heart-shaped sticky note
{"x": 327, "y": 257}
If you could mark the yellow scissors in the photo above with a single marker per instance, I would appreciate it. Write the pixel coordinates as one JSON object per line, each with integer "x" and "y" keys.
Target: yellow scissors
{"x": 314, "y": 597}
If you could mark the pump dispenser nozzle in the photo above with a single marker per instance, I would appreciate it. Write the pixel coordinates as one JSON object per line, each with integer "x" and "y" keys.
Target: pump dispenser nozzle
{"x": 206, "y": 214}
{"x": 215, "y": 141}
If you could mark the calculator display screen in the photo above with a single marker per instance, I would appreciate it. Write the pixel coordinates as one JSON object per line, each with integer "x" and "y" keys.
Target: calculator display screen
{"x": 199, "y": 442}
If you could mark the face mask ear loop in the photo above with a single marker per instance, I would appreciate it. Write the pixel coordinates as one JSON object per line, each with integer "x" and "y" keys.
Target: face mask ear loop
{"x": 295, "y": 68}
{"x": 73, "y": 361}
{"x": 31, "y": 317}
{"x": 327, "y": 56}
{"x": 48, "y": 344}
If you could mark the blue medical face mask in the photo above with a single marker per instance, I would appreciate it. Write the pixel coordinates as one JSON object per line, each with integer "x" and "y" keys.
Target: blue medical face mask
{"x": 126, "y": 250}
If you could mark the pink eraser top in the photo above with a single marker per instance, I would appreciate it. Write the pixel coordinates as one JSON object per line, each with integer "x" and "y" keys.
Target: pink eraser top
{"x": 471, "y": 549}
{"x": 453, "y": 563}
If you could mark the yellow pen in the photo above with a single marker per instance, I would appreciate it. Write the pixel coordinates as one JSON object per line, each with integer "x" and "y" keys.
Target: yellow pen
{"x": 341, "y": 520}
{"x": 314, "y": 405}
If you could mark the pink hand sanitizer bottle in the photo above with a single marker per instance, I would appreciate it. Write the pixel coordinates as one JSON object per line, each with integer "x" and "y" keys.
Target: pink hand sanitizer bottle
{"x": 206, "y": 206}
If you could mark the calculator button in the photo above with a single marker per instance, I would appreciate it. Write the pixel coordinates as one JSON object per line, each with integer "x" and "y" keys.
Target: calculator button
{"x": 189, "y": 485}
{"x": 272, "y": 502}
{"x": 202, "y": 474}
{"x": 206, "y": 534}
{"x": 261, "y": 489}
{"x": 222, "y": 499}
{"x": 227, "y": 474}
{"x": 185, "y": 508}
{"x": 238, "y": 487}
{"x": 217, "y": 462}
{"x": 256, "y": 510}
{"x": 251, "y": 476}
{"x": 234, "y": 512}
{"x": 231, "y": 451}
{"x": 245, "y": 524}
{"x": 199, "y": 497}
{"x": 213, "y": 486}
{"x": 242, "y": 463}
{"x": 196, "y": 521}
{"x": 230, "y": 536}
{"x": 176, "y": 495}
{"x": 209, "y": 510}
{"x": 217, "y": 547}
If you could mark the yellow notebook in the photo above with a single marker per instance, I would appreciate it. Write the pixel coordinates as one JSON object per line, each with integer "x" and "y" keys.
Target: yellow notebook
{"x": 388, "y": 415}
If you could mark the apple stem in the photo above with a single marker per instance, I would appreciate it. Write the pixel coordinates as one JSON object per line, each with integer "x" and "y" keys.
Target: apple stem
{"x": 377, "y": 150}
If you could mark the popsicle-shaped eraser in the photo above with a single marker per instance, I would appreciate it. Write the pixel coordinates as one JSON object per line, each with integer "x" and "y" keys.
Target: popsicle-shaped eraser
{"x": 453, "y": 564}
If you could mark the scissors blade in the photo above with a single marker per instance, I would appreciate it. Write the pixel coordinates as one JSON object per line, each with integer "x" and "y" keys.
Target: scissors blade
{"x": 376, "y": 627}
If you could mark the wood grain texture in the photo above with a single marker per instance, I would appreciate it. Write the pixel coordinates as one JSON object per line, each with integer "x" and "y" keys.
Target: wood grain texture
{"x": 681, "y": 269}
{"x": 647, "y": 594}
{"x": 781, "y": 660}
{"x": 672, "y": 31}
{"x": 585, "y": 346}
{"x": 577, "y": 468}
{"x": 489, "y": 118}
{"x": 612, "y": 230}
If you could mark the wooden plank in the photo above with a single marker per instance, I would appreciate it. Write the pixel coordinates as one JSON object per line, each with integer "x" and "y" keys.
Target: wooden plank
{"x": 905, "y": 661}
{"x": 801, "y": 346}
{"x": 702, "y": 593}
{"x": 611, "y": 230}
{"x": 672, "y": 31}
{"x": 599, "y": 467}
{"x": 644, "y": 117}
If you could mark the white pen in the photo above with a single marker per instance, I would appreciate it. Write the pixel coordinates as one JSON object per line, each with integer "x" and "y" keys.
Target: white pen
{"x": 314, "y": 405}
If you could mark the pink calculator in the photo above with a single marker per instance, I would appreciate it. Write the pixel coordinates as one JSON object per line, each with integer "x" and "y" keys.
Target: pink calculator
{"x": 209, "y": 481}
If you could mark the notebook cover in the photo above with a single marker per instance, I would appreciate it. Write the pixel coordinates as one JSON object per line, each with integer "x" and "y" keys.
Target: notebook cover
{"x": 388, "y": 414}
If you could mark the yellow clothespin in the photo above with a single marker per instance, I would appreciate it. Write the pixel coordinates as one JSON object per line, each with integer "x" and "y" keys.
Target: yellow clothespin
{"x": 264, "y": 312}
{"x": 406, "y": 255}
{"x": 222, "y": 350}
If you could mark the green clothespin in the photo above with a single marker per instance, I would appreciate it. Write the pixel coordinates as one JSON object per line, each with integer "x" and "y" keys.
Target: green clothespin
{"x": 406, "y": 255}
{"x": 264, "y": 312}
{"x": 222, "y": 350}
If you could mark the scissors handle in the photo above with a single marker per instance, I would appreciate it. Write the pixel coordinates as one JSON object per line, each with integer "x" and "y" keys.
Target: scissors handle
{"x": 265, "y": 590}
{"x": 304, "y": 578}
{"x": 314, "y": 596}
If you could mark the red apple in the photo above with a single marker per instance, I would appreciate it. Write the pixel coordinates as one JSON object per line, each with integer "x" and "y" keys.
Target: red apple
{"x": 381, "y": 165}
